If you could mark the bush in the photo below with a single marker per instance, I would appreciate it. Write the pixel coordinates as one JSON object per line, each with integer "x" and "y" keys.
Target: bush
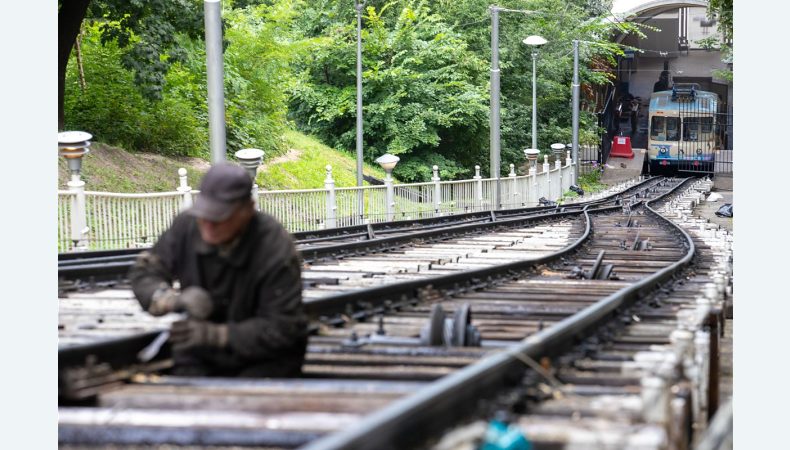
{"x": 113, "y": 110}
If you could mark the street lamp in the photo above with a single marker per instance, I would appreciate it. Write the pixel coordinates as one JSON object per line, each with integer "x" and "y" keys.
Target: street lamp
{"x": 535, "y": 42}
{"x": 250, "y": 159}
{"x": 532, "y": 156}
{"x": 360, "y": 195}
{"x": 575, "y": 117}
{"x": 494, "y": 151}
{"x": 73, "y": 145}
{"x": 388, "y": 162}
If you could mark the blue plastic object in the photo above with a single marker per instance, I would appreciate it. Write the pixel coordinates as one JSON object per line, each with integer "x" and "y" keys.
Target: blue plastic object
{"x": 501, "y": 436}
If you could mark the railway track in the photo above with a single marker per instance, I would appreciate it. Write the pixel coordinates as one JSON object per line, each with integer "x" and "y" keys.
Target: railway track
{"x": 373, "y": 347}
{"x": 87, "y": 317}
{"x": 85, "y": 269}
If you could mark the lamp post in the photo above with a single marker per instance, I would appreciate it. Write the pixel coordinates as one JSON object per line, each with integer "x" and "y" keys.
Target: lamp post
{"x": 360, "y": 195}
{"x": 250, "y": 159}
{"x": 535, "y": 42}
{"x": 73, "y": 145}
{"x": 214, "y": 79}
{"x": 575, "y": 117}
{"x": 494, "y": 150}
{"x": 388, "y": 162}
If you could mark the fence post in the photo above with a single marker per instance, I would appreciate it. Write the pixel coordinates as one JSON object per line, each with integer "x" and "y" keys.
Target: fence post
{"x": 513, "y": 186}
{"x": 331, "y": 207}
{"x": 557, "y": 150}
{"x": 388, "y": 162}
{"x": 184, "y": 189}
{"x": 437, "y": 190}
{"x": 478, "y": 188}
{"x": 570, "y": 163}
{"x": 532, "y": 159}
{"x": 390, "y": 196}
{"x": 546, "y": 169}
{"x": 79, "y": 220}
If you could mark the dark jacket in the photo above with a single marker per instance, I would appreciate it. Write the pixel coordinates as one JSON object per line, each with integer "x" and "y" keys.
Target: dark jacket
{"x": 256, "y": 288}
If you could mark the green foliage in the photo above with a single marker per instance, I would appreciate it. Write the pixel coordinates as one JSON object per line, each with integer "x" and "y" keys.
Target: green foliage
{"x": 258, "y": 60}
{"x": 147, "y": 33}
{"x": 591, "y": 182}
{"x": 114, "y": 111}
{"x": 261, "y": 47}
{"x": 721, "y": 10}
{"x": 423, "y": 92}
{"x": 425, "y": 89}
{"x": 425, "y": 80}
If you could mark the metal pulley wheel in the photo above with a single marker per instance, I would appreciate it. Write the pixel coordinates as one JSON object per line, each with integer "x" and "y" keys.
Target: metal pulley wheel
{"x": 455, "y": 332}
{"x": 433, "y": 333}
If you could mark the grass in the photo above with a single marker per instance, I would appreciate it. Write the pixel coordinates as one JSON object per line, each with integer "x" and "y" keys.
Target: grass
{"x": 113, "y": 169}
{"x": 307, "y": 169}
{"x": 589, "y": 182}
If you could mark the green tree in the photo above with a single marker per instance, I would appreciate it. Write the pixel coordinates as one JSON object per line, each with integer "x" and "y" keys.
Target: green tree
{"x": 146, "y": 30}
{"x": 721, "y": 10}
{"x": 262, "y": 42}
{"x": 426, "y": 71}
{"x": 424, "y": 91}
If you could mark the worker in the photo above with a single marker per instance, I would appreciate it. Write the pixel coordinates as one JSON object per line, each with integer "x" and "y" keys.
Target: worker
{"x": 235, "y": 274}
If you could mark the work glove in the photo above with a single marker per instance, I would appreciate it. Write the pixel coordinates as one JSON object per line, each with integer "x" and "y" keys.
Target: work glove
{"x": 189, "y": 334}
{"x": 194, "y": 300}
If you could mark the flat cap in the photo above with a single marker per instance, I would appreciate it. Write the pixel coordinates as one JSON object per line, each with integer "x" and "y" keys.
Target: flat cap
{"x": 221, "y": 189}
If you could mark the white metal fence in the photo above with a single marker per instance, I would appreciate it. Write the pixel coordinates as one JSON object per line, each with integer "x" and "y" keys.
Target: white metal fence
{"x": 103, "y": 220}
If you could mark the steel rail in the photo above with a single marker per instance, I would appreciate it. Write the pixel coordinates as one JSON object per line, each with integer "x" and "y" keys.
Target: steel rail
{"x": 121, "y": 352}
{"x": 74, "y": 265}
{"x": 452, "y": 283}
{"x": 442, "y": 403}
{"x": 107, "y": 351}
{"x": 108, "y": 267}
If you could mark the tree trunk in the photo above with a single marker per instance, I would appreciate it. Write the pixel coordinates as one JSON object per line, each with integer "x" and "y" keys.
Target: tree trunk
{"x": 69, "y": 20}
{"x": 79, "y": 60}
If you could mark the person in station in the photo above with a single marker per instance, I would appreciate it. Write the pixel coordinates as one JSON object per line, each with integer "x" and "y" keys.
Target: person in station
{"x": 239, "y": 283}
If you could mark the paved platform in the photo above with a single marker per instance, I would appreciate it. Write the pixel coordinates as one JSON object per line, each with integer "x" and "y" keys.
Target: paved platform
{"x": 619, "y": 169}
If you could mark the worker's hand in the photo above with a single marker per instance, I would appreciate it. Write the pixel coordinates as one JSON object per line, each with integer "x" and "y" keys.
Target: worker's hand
{"x": 196, "y": 301}
{"x": 164, "y": 300}
{"x": 189, "y": 334}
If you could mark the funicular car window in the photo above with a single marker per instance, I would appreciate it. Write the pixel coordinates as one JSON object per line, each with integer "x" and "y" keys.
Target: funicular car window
{"x": 697, "y": 128}
{"x": 664, "y": 128}
{"x": 657, "y": 131}
{"x": 672, "y": 128}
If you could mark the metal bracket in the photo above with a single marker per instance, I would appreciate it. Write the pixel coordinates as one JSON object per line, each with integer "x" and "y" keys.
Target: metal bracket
{"x": 599, "y": 270}
{"x": 371, "y": 233}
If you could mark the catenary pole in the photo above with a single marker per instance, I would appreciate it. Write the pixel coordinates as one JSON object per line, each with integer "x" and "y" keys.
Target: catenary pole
{"x": 214, "y": 79}
{"x": 575, "y": 119}
{"x": 494, "y": 152}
